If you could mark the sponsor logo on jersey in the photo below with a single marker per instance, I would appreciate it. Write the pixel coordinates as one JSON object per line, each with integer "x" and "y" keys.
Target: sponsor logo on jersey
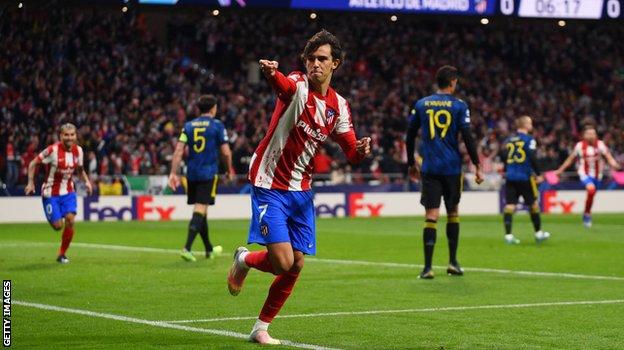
{"x": 315, "y": 134}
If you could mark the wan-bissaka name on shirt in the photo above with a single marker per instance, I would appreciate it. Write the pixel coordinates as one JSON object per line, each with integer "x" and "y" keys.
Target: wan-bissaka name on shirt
{"x": 438, "y": 103}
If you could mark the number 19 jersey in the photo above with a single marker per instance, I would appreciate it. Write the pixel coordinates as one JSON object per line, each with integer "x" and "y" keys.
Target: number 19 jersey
{"x": 441, "y": 117}
{"x": 204, "y": 136}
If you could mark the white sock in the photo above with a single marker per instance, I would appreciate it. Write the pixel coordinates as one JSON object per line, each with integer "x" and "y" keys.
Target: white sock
{"x": 260, "y": 326}
{"x": 241, "y": 259}
{"x": 509, "y": 236}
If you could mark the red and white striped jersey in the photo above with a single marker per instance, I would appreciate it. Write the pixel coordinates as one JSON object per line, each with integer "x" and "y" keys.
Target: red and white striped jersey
{"x": 60, "y": 166}
{"x": 589, "y": 160}
{"x": 303, "y": 119}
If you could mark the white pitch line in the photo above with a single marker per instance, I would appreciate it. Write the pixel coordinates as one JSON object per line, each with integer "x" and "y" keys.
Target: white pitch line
{"x": 160, "y": 324}
{"x": 345, "y": 262}
{"x": 475, "y": 269}
{"x": 400, "y": 311}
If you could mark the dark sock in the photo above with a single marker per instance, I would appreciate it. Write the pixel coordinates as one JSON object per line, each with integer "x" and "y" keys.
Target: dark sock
{"x": 537, "y": 221}
{"x": 193, "y": 229}
{"x": 203, "y": 233}
{"x": 507, "y": 219}
{"x": 452, "y": 234}
{"x": 429, "y": 239}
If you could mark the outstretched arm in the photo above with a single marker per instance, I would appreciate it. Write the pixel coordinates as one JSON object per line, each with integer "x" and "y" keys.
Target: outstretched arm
{"x": 285, "y": 87}
{"x": 566, "y": 164}
{"x": 612, "y": 162}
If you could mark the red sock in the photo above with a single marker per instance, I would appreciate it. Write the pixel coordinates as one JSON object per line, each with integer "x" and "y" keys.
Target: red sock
{"x": 278, "y": 293}
{"x": 590, "y": 200}
{"x": 68, "y": 234}
{"x": 259, "y": 260}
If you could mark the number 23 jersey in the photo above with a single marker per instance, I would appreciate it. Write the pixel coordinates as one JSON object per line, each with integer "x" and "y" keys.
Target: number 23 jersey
{"x": 441, "y": 117}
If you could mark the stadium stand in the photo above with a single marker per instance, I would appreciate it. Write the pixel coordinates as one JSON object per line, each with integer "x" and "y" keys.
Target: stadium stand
{"x": 128, "y": 82}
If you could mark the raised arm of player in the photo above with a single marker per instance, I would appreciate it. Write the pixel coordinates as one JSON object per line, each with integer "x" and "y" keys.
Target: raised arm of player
{"x": 174, "y": 179}
{"x": 284, "y": 87}
{"x": 566, "y": 164}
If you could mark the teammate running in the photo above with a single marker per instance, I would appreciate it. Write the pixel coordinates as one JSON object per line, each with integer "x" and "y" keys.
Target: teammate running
{"x": 57, "y": 191}
{"x": 589, "y": 153}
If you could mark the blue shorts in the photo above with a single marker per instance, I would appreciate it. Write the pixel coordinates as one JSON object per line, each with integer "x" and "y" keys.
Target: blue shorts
{"x": 586, "y": 180}
{"x": 283, "y": 216}
{"x": 56, "y": 207}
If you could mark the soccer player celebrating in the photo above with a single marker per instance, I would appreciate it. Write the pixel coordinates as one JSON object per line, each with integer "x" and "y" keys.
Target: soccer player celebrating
{"x": 441, "y": 116}
{"x": 520, "y": 164}
{"x": 206, "y": 137}
{"x": 57, "y": 191}
{"x": 589, "y": 153}
{"x": 307, "y": 112}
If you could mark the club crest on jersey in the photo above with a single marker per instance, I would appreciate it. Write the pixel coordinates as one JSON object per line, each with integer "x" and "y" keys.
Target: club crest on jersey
{"x": 264, "y": 230}
{"x": 329, "y": 115}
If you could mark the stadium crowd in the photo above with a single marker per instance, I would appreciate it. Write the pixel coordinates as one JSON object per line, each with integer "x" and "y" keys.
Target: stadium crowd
{"x": 129, "y": 89}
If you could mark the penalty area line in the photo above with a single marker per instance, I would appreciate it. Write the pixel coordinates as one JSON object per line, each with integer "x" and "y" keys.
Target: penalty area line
{"x": 403, "y": 311}
{"x": 336, "y": 261}
{"x": 160, "y": 324}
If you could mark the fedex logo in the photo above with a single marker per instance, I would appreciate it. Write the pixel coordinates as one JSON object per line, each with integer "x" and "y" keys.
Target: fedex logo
{"x": 550, "y": 203}
{"x": 352, "y": 205}
{"x": 139, "y": 207}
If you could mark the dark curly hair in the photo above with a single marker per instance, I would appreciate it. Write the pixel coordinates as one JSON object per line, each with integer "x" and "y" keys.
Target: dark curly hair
{"x": 321, "y": 38}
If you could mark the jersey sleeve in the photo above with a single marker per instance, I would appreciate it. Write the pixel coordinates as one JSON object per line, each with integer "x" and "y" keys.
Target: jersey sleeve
{"x": 344, "y": 134}
{"x": 602, "y": 148}
{"x": 45, "y": 156}
{"x": 344, "y": 123}
{"x": 531, "y": 145}
{"x": 578, "y": 150}
{"x": 464, "y": 116}
{"x": 413, "y": 125}
{"x": 223, "y": 136}
{"x": 413, "y": 121}
{"x": 285, "y": 86}
{"x": 80, "y": 159}
{"x": 183, "y": 135}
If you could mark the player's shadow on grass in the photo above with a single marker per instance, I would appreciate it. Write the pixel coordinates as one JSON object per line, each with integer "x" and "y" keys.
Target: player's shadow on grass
{"x": 44, "y": 265}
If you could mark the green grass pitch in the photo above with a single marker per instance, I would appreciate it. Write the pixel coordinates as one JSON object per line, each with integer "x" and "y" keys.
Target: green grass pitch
{"x": 122, "y": 291}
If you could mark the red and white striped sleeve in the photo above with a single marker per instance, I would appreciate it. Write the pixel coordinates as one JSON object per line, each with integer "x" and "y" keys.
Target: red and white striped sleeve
{"x": 45, "y": 156}
{"x": 344, "y": 134}
{"x": 285, "y": 86}
{"x": 602, "y": 148}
